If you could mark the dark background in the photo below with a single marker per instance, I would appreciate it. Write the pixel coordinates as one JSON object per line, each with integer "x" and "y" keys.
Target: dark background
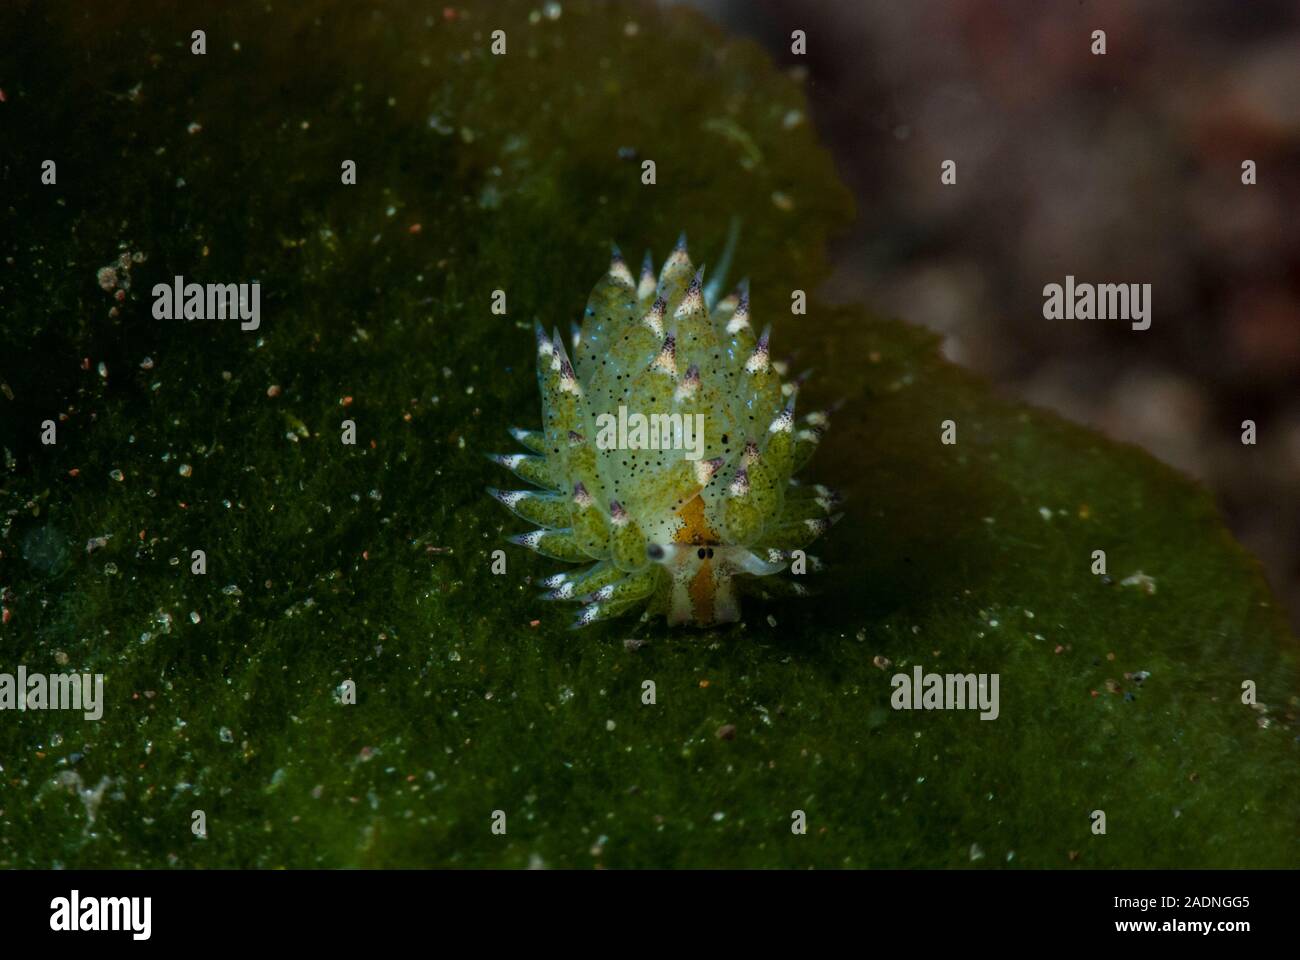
{"x": 1123, "y": 168}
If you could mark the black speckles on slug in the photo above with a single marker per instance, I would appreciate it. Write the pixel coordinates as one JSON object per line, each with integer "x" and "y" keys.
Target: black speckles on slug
{"x": 665, "y": 459}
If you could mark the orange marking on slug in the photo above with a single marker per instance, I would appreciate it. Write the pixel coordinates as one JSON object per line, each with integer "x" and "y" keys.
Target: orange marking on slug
{"x": 695, "y": 529}
{"x": 702, "y": 589}
{"x": 695, "y": 526}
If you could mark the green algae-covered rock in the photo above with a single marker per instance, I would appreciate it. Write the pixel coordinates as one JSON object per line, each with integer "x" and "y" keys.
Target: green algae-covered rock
{"x": 336, "y": 572}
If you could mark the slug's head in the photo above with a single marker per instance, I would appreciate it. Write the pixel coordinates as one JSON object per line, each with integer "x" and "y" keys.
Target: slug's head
{"x": 701, "y": 578}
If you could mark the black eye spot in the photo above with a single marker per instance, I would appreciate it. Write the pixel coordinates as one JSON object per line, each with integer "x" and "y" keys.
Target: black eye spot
{"x": 655, "y": 552}
{"x": 710, "y": 553}
{"x": 701, "y": 553}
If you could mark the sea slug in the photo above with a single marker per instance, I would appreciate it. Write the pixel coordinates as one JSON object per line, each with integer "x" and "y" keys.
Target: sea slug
{"x": 665, "y": 461}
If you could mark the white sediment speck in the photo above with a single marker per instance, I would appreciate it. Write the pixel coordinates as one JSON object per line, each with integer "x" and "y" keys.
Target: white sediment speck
{"x": 1141, "y": 580}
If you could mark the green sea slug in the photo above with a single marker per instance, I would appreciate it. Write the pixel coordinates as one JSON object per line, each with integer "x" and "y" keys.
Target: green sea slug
{"x": 665, "y": 461}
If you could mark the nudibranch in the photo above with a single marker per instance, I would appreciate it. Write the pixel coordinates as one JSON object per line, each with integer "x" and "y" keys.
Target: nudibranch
{"x": 666, "y": 458}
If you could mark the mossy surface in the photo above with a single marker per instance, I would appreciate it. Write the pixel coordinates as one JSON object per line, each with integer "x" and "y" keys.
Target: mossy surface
{"x": 372, "y": 562}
